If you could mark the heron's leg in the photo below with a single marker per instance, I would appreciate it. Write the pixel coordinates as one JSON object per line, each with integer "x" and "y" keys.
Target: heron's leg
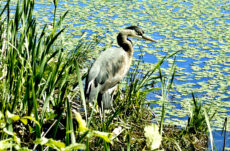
{"x": 107, "y": 97}
{"x": 100, "y": 104}
{"x": 107, "y": 100}
{"x": 102, "y": 113}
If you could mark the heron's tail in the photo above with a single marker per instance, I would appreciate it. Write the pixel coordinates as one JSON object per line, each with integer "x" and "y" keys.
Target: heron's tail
{"x": 91, "y": 91}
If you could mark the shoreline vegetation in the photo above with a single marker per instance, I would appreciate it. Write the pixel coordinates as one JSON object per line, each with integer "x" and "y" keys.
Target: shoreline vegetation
{"x": 42, "y": 103}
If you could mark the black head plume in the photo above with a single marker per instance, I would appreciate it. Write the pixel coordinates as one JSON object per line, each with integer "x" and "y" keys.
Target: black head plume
{"x": 137, "y": 29}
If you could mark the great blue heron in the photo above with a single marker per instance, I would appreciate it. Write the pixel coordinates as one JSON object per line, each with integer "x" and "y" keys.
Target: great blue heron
{"x": 111, "y": 67}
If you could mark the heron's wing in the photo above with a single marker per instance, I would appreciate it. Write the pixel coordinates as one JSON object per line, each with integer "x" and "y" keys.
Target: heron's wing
{"x": 109, "y": 68}
{"x": 113, "y": 68}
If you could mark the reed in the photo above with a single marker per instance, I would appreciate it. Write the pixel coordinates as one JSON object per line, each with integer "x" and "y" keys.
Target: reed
{"x": 40, "y": 81}
{"x": 35, "y": 74}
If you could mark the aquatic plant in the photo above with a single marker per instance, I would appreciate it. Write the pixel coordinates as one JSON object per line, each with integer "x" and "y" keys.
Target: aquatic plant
{"x": 41, "y": 80}
{"x": 153, "y": 137}
{"x": 35, "y": 75}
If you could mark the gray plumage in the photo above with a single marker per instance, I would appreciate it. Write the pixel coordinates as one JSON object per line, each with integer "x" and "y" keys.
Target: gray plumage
{"x": 111, "y": 67}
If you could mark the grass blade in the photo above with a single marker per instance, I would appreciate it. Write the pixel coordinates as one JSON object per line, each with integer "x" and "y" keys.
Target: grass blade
{"x": 81, "y": 89}
{"x": 209, "y": 129}
{"x": 225, "y": 132}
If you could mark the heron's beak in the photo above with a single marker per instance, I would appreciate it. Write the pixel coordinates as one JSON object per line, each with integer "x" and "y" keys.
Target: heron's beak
{"x": 148, "y": 38}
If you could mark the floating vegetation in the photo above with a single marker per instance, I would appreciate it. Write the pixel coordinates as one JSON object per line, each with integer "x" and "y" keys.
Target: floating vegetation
{"x": 198, "y": 29}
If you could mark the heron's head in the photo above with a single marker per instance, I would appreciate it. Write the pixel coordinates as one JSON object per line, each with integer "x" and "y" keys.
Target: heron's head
{"x": 137, "y": 32}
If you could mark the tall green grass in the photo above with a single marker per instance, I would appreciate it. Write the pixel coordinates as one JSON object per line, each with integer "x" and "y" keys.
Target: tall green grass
{"x": 35, "y": 73}
{"x": 40, "y": 81}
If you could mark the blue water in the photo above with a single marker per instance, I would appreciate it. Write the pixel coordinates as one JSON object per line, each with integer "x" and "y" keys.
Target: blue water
{"x": 151, "y": 58}
{"x": 219, "y": 139}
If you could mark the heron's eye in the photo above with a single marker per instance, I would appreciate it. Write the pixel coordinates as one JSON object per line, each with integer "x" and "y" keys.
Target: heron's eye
{"x": 139, "y": 33}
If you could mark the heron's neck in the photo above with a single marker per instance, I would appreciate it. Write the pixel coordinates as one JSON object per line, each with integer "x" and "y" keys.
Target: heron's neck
{"x": 124, "y": 42}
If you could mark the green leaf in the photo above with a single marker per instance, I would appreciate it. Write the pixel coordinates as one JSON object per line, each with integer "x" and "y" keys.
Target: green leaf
{"x": 81, "y": 89}
{"x": 41, "y": 141}
{"x": 55, "y": 143}
{"x": 104, "y": 135}
{"x": 23, "y": 119}
{"x": 24, "y": 149}
{"x": 8, "y": 132}
{"x": 1, "y": 115}
{"x": 6, "y": 144}
{"x": 50, "y": 142}
{"x": 75, "y": 146}
{"x": 82, "y": 127}
{"x": 12, "y": 116}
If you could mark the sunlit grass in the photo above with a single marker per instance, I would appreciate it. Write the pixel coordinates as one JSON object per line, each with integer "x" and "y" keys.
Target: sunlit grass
{"x": 40, "y": 82}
